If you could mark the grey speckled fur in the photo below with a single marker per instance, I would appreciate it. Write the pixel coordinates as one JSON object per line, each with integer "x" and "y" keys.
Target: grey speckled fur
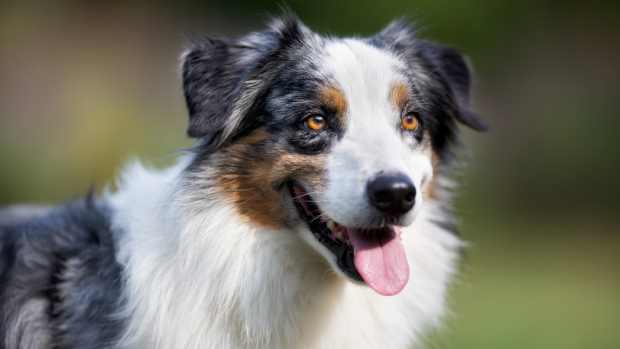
{"x": 60, "y": 284}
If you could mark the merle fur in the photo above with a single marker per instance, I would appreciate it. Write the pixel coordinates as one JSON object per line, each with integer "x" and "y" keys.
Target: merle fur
{"x": 219, "y": 74}
{"x": 60, "y": 284}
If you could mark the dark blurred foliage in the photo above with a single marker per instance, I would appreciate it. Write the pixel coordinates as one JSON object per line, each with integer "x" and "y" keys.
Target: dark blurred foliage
{"x": 84, "y": 86}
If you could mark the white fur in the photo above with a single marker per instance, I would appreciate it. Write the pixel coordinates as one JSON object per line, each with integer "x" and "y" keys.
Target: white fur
{"x": 372, "y": 142}
{"x": 200, "y": 277}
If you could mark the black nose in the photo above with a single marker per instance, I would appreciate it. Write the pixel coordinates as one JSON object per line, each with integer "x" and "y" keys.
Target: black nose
{"x": 392, "y": 194}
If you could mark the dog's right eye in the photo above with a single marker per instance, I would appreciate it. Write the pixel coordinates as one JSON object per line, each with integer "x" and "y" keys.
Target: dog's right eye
{"x": 410, "y": 122}
{"x": 315, "y": 122}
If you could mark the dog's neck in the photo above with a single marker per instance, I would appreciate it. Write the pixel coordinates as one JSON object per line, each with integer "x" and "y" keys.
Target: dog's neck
{"x": 201, "y": 277}
{"x": 200, "y": 272}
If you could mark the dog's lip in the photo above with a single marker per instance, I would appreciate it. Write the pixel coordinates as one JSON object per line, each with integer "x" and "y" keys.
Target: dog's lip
{"x": 319, "y": 225}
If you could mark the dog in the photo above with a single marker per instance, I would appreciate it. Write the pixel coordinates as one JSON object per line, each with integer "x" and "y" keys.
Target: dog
{"x": 313, "y": 211}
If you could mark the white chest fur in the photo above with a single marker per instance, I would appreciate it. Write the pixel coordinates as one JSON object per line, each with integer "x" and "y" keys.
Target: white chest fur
{"x": 203, "y": 278}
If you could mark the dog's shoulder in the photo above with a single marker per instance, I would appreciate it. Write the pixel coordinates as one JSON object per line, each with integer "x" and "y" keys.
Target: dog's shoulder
{"x": 60, "y": 284}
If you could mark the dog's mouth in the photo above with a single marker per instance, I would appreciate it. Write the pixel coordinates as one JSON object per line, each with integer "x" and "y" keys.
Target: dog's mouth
{"x": 375, "y": 256}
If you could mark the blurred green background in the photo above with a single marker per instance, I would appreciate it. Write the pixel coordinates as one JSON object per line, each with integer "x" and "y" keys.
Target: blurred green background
{"x": 85, "y": 87}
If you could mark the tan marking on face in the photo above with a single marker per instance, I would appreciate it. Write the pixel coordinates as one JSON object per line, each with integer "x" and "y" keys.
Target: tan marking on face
{"x": 400, "y": 95}
{"x": 333, "y": 98}
{"x": 257, "y": 136}
{"x": 432, "y": 188}
{"x": 254, "y": 179}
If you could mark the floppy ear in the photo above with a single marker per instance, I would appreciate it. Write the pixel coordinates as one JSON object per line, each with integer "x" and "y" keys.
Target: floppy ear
{"x": 455, "y": 70}
{"x": 224, "y": 79}
{"x": 446, "y": 64}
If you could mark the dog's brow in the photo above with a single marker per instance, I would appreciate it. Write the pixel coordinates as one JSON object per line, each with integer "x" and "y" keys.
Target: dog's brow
{"x": 399, "y": 95}
{"x": 334, "y": 98}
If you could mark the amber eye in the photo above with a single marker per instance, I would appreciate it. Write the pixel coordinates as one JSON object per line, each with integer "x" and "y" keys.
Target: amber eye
{"x": 410, "y": 122}
{"x": 315, "y": 122}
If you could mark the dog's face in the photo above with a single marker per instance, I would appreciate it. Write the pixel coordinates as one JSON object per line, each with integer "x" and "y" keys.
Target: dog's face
{"x": 338, "y": 139}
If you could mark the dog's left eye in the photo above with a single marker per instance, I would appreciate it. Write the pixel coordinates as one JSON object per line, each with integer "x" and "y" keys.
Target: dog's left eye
{"x": 410, "y": 122}
{"x": 315, "y": 122}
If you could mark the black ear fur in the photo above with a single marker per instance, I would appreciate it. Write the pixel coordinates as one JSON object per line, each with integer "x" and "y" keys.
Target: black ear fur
{"x": 447, "y": 64}
{"x": 210, "y": 80}
{"x": 455, "y": 70}
{"x": 224, "y": 79}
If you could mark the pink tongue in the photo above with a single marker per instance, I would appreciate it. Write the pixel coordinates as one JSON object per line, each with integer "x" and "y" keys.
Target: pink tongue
{"x": 382, "y": 263}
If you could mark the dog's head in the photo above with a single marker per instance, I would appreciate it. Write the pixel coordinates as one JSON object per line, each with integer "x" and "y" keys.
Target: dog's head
{"x": 339, "y": 139}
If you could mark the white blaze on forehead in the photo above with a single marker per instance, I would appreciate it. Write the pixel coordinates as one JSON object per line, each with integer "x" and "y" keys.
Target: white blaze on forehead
{"x": 364, "y": 73}
{"x": 372, "y": 141}
{"x": 366, "y": 76}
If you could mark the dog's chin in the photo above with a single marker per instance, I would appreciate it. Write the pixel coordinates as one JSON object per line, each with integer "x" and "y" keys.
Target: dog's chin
{"x": 373, "y": 256}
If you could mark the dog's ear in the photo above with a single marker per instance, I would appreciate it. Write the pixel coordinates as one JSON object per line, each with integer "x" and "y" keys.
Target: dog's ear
{"x": 223, "y": 80}
{"x": 456, "y": 72}
{"x": 446, "y": 64}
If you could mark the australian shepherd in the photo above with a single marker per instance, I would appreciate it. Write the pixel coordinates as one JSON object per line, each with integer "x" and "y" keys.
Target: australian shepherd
{"x": 313, "y": 210}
